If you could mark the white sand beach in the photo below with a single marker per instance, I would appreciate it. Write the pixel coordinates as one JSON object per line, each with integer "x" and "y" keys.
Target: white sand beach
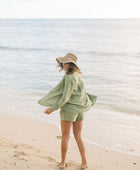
{"x": 31, "y": 144}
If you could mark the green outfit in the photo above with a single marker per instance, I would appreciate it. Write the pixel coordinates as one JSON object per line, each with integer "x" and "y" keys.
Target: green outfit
{"x": 69, "y": 95}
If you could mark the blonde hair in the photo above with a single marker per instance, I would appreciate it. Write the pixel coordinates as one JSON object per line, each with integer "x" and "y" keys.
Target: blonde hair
{"x": 72, "y": 68}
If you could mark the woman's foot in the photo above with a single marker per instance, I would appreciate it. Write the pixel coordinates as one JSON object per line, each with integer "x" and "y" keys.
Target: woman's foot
{"x": 62, "y": 166}
{"x": 83, "y": 166}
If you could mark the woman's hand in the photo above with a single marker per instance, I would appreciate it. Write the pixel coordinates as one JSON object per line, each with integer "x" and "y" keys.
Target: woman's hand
{"x": 48, "y": 111}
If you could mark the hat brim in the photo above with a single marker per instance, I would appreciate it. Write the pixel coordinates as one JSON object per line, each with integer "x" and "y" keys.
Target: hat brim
{"x": 60, "y": 61}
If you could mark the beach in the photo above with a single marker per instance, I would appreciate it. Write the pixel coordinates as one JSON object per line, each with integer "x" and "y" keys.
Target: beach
{"x": 30, "y": 144}
{"x": 108, "y": 56}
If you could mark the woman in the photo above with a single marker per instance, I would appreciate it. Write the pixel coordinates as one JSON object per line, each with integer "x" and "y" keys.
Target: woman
{"x": 71, "y": 97}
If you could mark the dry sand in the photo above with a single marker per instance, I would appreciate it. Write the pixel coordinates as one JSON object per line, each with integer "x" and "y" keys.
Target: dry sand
{"x": 31, "y": 144}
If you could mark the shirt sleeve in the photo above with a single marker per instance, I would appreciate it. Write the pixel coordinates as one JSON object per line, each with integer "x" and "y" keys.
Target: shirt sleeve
{"x": 67, "y": 92}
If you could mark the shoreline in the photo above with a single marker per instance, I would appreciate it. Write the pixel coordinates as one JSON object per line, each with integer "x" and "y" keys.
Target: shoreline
{"x": 34, "y": 144}
{"x": 92, "y": 142}
{"x": 116, "y": 131}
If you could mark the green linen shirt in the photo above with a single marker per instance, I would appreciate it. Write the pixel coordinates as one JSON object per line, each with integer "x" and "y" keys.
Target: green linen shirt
{"x": 69, "y": 95}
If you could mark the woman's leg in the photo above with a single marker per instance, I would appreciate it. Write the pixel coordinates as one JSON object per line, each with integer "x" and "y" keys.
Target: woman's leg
{"x": 65, "y": 128}
{"x": 77, "y": 131}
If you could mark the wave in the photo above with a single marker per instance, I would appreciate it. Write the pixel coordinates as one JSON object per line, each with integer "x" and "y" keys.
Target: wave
{"x": 23, "y": 49}
{"x": 105, "y": 53}
{"x": 117, "y": 108}
{"x": 83, "y": 52}
{"x": 114, "y": 148}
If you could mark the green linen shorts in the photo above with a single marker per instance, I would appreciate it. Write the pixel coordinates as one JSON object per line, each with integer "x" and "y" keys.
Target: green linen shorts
{"x": 71, "y": 116}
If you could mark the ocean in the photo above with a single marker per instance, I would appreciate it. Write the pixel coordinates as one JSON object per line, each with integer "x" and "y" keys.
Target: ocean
{"x": 108, "y": 53}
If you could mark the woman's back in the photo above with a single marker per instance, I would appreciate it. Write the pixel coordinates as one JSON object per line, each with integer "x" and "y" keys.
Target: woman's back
{"x": 79, "y": 100}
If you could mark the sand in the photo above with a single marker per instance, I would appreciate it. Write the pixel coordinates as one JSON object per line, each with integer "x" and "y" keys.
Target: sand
{"x": 30, "y": 144}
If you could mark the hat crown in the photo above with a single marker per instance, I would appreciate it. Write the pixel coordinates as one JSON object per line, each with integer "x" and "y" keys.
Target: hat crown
{"x": 68, "y": 58}
{"x": 71, "y": 56}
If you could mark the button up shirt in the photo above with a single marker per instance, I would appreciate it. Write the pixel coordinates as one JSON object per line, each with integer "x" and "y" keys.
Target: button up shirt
{"x": 70, "y": 95}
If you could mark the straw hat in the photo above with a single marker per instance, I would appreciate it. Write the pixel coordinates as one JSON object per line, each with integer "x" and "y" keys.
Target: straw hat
{"x": 68, "y": 58}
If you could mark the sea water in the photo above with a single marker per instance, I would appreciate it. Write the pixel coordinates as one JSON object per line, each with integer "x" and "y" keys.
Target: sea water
{"x": 108, "y": 53}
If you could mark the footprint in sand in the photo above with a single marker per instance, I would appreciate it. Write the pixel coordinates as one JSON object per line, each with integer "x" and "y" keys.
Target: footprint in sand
{"x": 20, "y": 152}
{"x": 51, "y": 159}
{"x": 27, "y": 146}
{"x": 17, "y": 154}
{"x": 15, "y": 146}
